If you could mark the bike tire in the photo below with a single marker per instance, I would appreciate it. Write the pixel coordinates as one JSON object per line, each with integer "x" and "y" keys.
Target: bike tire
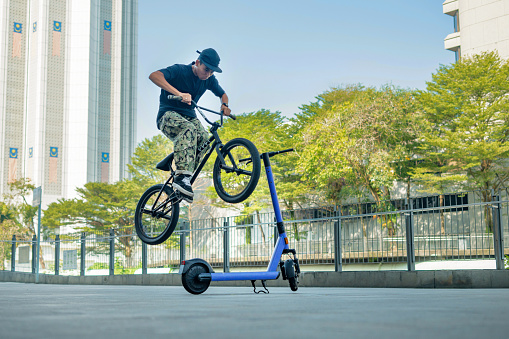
{"x": 237, "y": 181}
{"x": 191, "y": 282}
{"x": 154, "y": 228}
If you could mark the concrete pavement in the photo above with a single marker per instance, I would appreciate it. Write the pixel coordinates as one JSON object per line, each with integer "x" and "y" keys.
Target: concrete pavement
{"x": 108, "y": 311}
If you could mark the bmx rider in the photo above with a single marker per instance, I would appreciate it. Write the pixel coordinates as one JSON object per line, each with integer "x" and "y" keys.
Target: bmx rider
{"x": 177, "y": 119}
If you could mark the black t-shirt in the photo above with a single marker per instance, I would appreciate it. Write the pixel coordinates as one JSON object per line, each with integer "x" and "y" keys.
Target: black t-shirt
{"x": 183, "y": 79}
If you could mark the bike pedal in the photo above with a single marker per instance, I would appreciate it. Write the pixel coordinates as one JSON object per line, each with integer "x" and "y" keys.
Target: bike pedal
{"x": 178, "y": 195}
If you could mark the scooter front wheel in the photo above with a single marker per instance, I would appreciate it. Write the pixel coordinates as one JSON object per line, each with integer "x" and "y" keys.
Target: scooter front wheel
{"x": 291, "y": 276}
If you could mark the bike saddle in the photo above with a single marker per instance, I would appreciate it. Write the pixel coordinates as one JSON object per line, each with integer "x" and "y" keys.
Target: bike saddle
{"x": 165, "y": 164}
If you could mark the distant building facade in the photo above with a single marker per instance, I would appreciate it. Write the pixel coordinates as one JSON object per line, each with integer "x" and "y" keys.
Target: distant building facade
{"x": 67, "y": 92}
{"x": 479, "y": 26}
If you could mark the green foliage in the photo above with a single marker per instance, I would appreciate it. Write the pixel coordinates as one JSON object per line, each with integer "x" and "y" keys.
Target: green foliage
{"x": 98, "y": 266}
{"x": 15, "y": 208}
{"x": 145, "y": 158}
{"x": 99, "y": 206}
{"x": 16, "y": 216}
{"x": 358, "y": 141}
{"x": 119, "y": 269}
{"x": 464, "y": 125}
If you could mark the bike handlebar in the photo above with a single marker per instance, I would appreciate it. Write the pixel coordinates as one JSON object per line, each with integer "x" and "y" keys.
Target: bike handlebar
{"x": 179, "y": 98}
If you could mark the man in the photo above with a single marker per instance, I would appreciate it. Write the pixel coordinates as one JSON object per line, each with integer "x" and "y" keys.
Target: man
{"x": 177, "y": 119}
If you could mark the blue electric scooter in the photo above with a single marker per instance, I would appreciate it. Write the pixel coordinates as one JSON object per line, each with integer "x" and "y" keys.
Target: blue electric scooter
{"x": 197, "y": 273}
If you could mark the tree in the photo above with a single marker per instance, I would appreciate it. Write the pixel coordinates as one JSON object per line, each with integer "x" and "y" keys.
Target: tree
{"x": 98, "y": 208}
{"x": 357, "y": 140}
{"x": 358, "y": 143}
{"x": 17, "y": 216}
{"x": 465, "y": 120}
{"x": 145, "y": 158}
{"x": 8, "y": 227}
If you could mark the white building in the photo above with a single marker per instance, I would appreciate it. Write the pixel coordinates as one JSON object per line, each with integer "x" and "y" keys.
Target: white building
{"x": 479, "y": 26}
{"x": 67, "y": 92}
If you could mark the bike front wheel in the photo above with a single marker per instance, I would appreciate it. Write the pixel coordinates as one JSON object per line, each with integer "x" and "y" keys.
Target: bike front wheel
{"x": 156, "y": 214}
{"x": 237, "y": 177}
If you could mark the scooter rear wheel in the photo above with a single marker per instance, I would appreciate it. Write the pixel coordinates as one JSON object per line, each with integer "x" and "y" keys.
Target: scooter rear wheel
{"x": 191, "y": 282}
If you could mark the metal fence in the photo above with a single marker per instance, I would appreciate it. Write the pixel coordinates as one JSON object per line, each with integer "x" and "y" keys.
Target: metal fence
{"x": 460, "y": 226}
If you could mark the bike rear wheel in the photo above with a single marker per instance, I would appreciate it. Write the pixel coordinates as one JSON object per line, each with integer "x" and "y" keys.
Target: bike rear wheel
{"x": 156, "y": 214}
{"x": 237, "y": 178}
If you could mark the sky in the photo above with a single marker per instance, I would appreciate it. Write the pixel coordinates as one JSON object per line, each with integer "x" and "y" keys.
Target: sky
{"x": 280, "y": 55}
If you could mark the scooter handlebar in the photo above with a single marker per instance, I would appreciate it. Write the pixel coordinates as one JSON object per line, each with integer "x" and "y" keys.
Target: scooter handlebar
{"x": 271, "y": 154}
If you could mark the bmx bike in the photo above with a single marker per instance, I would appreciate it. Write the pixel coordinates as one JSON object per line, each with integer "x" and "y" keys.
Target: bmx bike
{"x": 197, "y": 274}
{"x": 235, "y": 175}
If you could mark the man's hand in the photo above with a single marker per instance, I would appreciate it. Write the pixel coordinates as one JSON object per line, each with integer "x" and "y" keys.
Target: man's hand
{"x": 186, "y": 98}
{"x": 226, "y": 110}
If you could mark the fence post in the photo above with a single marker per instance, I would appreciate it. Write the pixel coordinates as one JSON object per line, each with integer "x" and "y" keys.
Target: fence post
{"x": 13, "y": 254}
{"x": 409, "y": 222}
{"x": 112, "y": 251}
{"x": 34, "y": 253}
{"x": 82, "y": 254}
{"x": 183, "y": 241}
{"x": 338, "y": 261}
{"x": 57, "y": 255}
{"x": 144, "y": 258}
{"x": 498, "y": 238}
{"x": 226, "y": 247}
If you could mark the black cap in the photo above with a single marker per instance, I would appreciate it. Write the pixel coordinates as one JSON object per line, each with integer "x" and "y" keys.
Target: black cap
{"x": 210, "y": 58}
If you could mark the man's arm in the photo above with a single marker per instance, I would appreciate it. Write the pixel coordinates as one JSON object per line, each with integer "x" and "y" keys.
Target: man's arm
{"x": 158, "y": 79}
{"x": 225, "y": 108}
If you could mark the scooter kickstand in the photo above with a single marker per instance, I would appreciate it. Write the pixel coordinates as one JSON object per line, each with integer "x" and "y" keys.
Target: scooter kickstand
{"x": 264, "y": 286}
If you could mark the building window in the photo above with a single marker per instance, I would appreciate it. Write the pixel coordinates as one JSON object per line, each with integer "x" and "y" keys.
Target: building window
{"x": 457, "y": 54}
{"x": 445, "y": 200}
{"x": 456, "y": 18}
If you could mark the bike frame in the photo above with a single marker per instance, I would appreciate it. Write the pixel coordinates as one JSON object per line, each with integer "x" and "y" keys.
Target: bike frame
{"x": 216, "y": 145}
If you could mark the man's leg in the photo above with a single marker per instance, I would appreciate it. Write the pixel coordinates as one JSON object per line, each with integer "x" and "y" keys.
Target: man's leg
{"x": 202, "y": 136}
{"x": 183, "y": 134}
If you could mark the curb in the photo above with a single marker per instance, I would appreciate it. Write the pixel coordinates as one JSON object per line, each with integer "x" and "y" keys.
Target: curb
{"x": 370, "y": 279}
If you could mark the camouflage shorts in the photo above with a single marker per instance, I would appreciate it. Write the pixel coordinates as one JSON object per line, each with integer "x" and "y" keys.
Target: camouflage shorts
{"x": 186, "y": 133}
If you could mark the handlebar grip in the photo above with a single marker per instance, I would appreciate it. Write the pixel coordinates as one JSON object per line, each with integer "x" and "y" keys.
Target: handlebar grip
{"x": 174, "y": 97}
{"x": 233, "y": 116}
{"x": 271, "y": 154}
